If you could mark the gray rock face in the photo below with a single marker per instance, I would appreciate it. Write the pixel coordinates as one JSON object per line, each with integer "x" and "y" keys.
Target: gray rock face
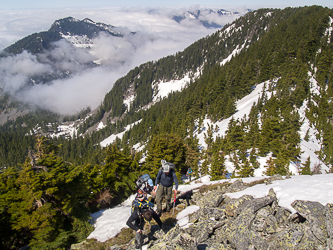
{"x": 314, "y": 213}
{"x": 329, "y": 219}
{"x": 237, "y": 186}
{"x": 265, "y": 221}
{"x": 249, "y": 223}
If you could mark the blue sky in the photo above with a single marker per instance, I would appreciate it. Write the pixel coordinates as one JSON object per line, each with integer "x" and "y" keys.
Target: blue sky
{"x": 41, "y": 4}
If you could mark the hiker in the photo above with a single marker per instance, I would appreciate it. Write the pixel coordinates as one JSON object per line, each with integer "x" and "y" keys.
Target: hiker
{"x": 141, "y": 211}
{"x": 188, "y": 173}
{"x": 166, "y": 176}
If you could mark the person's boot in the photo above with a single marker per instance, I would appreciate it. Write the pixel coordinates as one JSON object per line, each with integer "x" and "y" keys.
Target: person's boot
{"x": 168, "y": 207}
{"x": 138, "y": 241}
{"x": 164, "y": 228}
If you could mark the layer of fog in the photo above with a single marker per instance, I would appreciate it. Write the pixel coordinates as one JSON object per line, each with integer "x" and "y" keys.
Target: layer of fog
{"x": 157, "y": 35}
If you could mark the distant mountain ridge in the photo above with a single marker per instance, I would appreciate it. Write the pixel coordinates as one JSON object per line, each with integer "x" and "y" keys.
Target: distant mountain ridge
{"x": 141, "y": 86}
{"x": 261, "y": 46}
{"x": 86, "y": 29}
{"x": 65, "y": 28}
{"x": 72, "y": 26}
{"x": 197, "y": 14}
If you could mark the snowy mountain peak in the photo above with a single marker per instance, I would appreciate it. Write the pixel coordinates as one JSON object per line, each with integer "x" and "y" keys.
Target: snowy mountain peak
{"x": 72, "y": 26}
{"x": 207, "y": 17}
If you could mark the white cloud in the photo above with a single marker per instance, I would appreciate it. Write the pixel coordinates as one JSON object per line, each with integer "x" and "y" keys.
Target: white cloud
{"x": 15, "y": 71}
{"x": 66, "y": 57}
{"x": 23, "y": 63}
{"x": 72, "y": 95}
{"x": 113, "y": 51}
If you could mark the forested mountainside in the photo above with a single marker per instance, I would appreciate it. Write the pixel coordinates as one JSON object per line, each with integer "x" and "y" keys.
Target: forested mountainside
{"x": 200, "y": 57}
{"x": 46, "y": 199}
{"x": 286, "y": 47}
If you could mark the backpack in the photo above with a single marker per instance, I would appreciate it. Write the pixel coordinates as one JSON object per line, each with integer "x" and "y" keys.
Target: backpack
{"x": 143, "y": 179}
{"x": 141, "y": 205}
{"x": 190, "y": 171}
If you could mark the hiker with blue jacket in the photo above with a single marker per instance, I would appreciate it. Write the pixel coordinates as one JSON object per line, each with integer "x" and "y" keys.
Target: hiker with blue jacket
{"x": 188, "y": 173}
{"x": 167, "y": 177}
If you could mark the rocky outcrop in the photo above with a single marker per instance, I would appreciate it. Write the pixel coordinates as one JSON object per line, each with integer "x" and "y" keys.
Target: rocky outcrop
{"x": 249, "y": 223}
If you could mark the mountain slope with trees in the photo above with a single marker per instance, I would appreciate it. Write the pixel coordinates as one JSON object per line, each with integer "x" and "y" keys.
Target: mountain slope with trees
{"x": 287, "y": 45}
{"x": 46, "y": 199}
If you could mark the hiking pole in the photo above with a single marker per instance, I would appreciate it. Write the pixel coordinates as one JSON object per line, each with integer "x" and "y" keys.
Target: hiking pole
{"x": 174, "y": 202}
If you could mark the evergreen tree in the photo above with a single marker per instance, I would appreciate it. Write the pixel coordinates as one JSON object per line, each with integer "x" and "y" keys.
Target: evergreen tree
{"x": 169, "y": 147}
{"x": 192, "y": 154}
{"x": 217, "y": 167}
{"x": 306, "y": 170}
{"x": 205, "y": 166}
{"x": 271, "y": 168}
{"x": 246, "y": 170}
{"x": 119, "y": 174}
{"x": 48, "y": 197}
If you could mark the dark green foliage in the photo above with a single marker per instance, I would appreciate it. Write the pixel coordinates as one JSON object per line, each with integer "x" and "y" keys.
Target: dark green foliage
{"x": 44, "y": 201}
{"x": 192, "y": 154}
{"x": 271, "y": 167}
{"x": 47, "y": 203}
{"x": 169, "y": 147}
{"x": 217, "y": 166}
{"x": 35, "y": 43}
{"x": 306, "y": 170}
{"x": 246, "y": 170}
{"x": 119, "y": 174}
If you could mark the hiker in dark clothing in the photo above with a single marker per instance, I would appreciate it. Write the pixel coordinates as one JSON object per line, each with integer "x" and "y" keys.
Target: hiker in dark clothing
{"x": 137, "y": 221}
{"x": 166, "y": 176}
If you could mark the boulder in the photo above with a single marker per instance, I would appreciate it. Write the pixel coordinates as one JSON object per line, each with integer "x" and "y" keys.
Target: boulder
{"x": 265, "y": 222}
{"x": 210, "y": 199}
{"x": 237, "y": 186}
{"x": 241, "y": 236}
{"x": 329, "y": 219}
{"x": 235, "y": 206}
{"x": 314, "y": 213}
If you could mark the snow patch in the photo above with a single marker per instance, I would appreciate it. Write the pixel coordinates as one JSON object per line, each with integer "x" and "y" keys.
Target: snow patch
{"x": 100, "y": 126}
{"x": 163, "y": 89}
{"x": 235, "y": 52}
{"x": 120, "y": 135}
